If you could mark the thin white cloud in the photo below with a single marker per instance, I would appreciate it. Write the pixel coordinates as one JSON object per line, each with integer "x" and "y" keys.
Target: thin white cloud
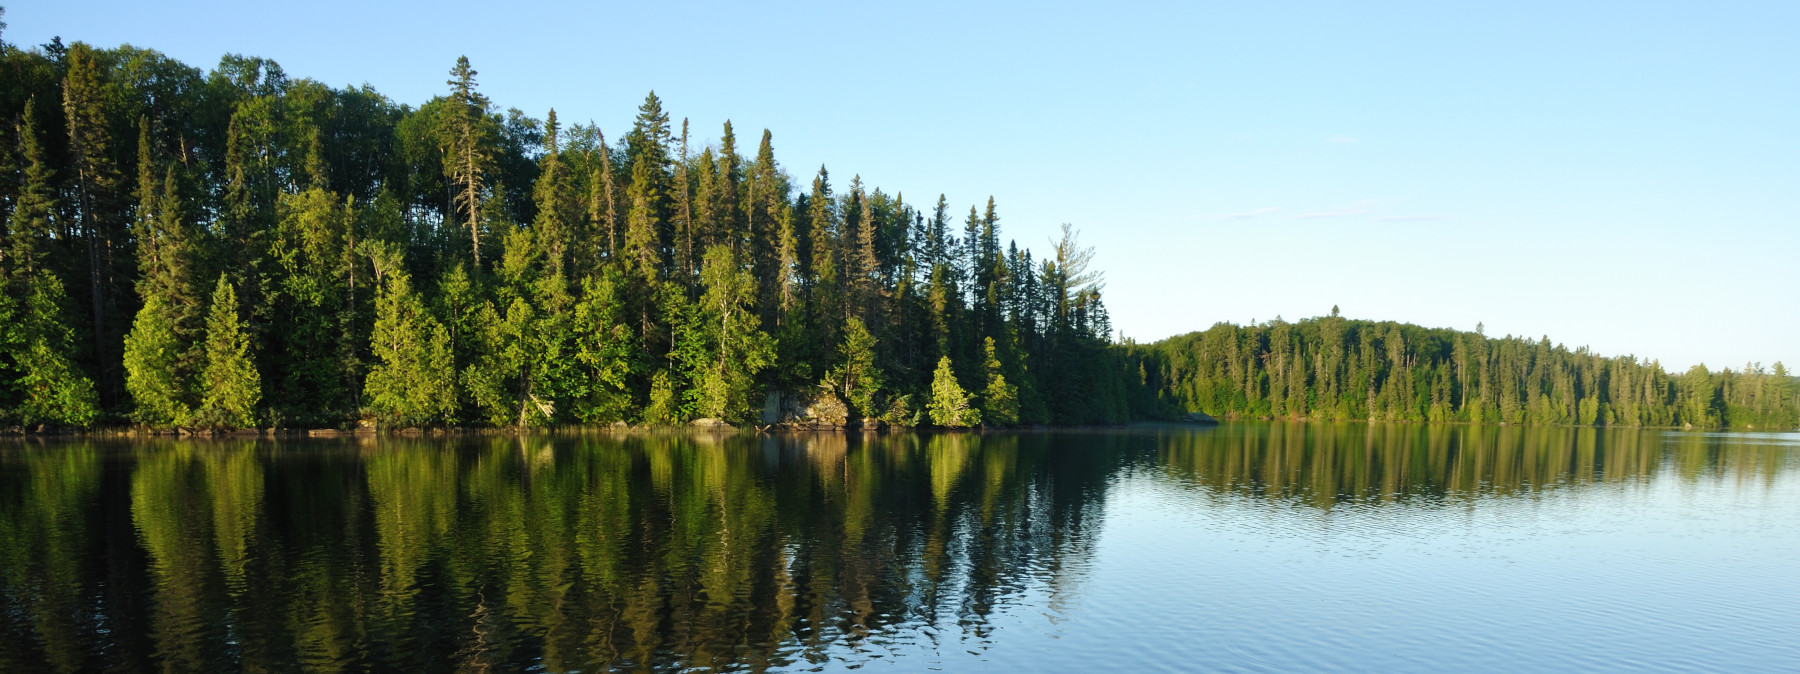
{"x": 1412, "y": 218}
{"x": 1339, "y": 212}
{"x": 1246, "y": 215}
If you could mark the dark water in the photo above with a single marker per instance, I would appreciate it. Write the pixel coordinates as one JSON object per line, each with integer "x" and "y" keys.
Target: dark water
{"x": 1245, "y": 547}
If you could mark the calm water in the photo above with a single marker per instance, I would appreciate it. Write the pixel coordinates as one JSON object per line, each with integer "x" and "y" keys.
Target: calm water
{"x": 1255, "y": 547}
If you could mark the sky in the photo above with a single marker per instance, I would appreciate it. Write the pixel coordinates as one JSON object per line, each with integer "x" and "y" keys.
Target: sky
{"x": 1623, "y": 176}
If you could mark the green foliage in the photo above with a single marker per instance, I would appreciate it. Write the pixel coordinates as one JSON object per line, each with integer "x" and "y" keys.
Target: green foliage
{"x": 48, "y": 387}
{"x": 856, "y": 378}
{"x": 606, "y": 352}
{"x": 949, "y": 404}
{"x": 580, "y": 281}
{"x": 565, "y": 272}
{"x": 155, "y": 372}
{"x": 1000, "y": 401}
{"x": 737, "y": 350}
{"x": 229, "y": 384}
{"x": 663, "y": 409}
{"x": 1336, "y": 368}
{"x": 315, "y": 374}
{"x": 414, "y": 381}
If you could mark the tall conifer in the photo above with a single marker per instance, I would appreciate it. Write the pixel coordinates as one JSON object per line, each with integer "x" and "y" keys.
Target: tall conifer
{"x": 230, "y": 386}
{"x": 468, "y": 159}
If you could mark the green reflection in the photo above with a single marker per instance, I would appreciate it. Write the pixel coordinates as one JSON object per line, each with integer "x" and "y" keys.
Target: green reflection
{"x": 46, "y": 498}
{"x": 655, "y": 551}
{"x": 1324, "y": 464}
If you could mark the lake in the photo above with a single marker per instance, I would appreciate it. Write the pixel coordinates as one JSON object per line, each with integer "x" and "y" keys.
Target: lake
{"x": 1241, "y": 547}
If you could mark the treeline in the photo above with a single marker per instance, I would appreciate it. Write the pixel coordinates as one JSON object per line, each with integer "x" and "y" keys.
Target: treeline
{"x": 239, "y": 248}
{"x": 1336, "y": 368}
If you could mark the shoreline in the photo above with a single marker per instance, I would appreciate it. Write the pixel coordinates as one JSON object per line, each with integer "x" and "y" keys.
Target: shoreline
{"x": 16, "y": 432}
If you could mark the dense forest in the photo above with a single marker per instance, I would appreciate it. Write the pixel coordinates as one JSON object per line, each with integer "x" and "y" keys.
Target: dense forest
{"x": 237, "y": 248}
{"x": 1337, "y": 368}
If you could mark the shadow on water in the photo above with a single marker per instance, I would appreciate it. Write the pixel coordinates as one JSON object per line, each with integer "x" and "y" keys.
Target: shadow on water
{"x": 663, "y": 551}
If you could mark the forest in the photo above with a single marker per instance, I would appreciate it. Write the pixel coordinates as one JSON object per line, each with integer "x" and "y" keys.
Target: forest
{"x": 1334, "y": 368}
{"x": 236, "y": 248}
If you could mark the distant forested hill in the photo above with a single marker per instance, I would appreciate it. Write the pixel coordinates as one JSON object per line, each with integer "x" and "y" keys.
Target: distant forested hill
{"x": 1337, "y": 368}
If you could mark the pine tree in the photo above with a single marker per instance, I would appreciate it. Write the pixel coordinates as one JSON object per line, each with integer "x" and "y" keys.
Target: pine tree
{"x": 604, "y": 207}
{"x": 29, "y": 226}
{"x": 949, "y": 404}
{"x": 230, "y": 385}
{"x": 292, "y": 189}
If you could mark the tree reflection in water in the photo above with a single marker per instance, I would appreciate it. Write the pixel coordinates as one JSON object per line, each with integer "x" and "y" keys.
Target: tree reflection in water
{"x": 659, "y": 551}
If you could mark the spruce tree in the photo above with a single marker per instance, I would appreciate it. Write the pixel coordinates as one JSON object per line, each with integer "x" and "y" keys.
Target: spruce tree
{"x": 36, "y": 345}
{"x": 856, "y": 378}
{"x": 28, "y": 226}
{"x": 155, "y": 373}
{"x": 464, "y": 138}
{"x": 949, "y": 404}
{"x": 643, "y": 244}
{"x": 230, "y": 385}
{"x": 1000, "y": 402}
{"x": 552, "y": 195}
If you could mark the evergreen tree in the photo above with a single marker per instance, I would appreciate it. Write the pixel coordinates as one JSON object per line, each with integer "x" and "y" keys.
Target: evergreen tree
{"x": 856, "y": 378}
{"x": 96, "y": 185}
{"x": 1000, "y": 401}
{"x": 29, "y": 229}
{"x": 553, "y": 197}
{"x": 465, "y": 138}
{"x": 414, "y": 382}
{"x": 155, "y": 372}
{"x": 36, "y": 345}
{"x": 949, "y": 404}
{"x": 291, "y": 188}
{"x": 50, "y": 389}
{"x": 230, "y": 385}
{"x": 643, "y": 244}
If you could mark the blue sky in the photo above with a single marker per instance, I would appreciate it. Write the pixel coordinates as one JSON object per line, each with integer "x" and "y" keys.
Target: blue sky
{"x": 1619, "y": 175}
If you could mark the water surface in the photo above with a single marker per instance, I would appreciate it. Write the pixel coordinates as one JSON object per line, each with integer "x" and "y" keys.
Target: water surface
{"x": 1246, "y": 547}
